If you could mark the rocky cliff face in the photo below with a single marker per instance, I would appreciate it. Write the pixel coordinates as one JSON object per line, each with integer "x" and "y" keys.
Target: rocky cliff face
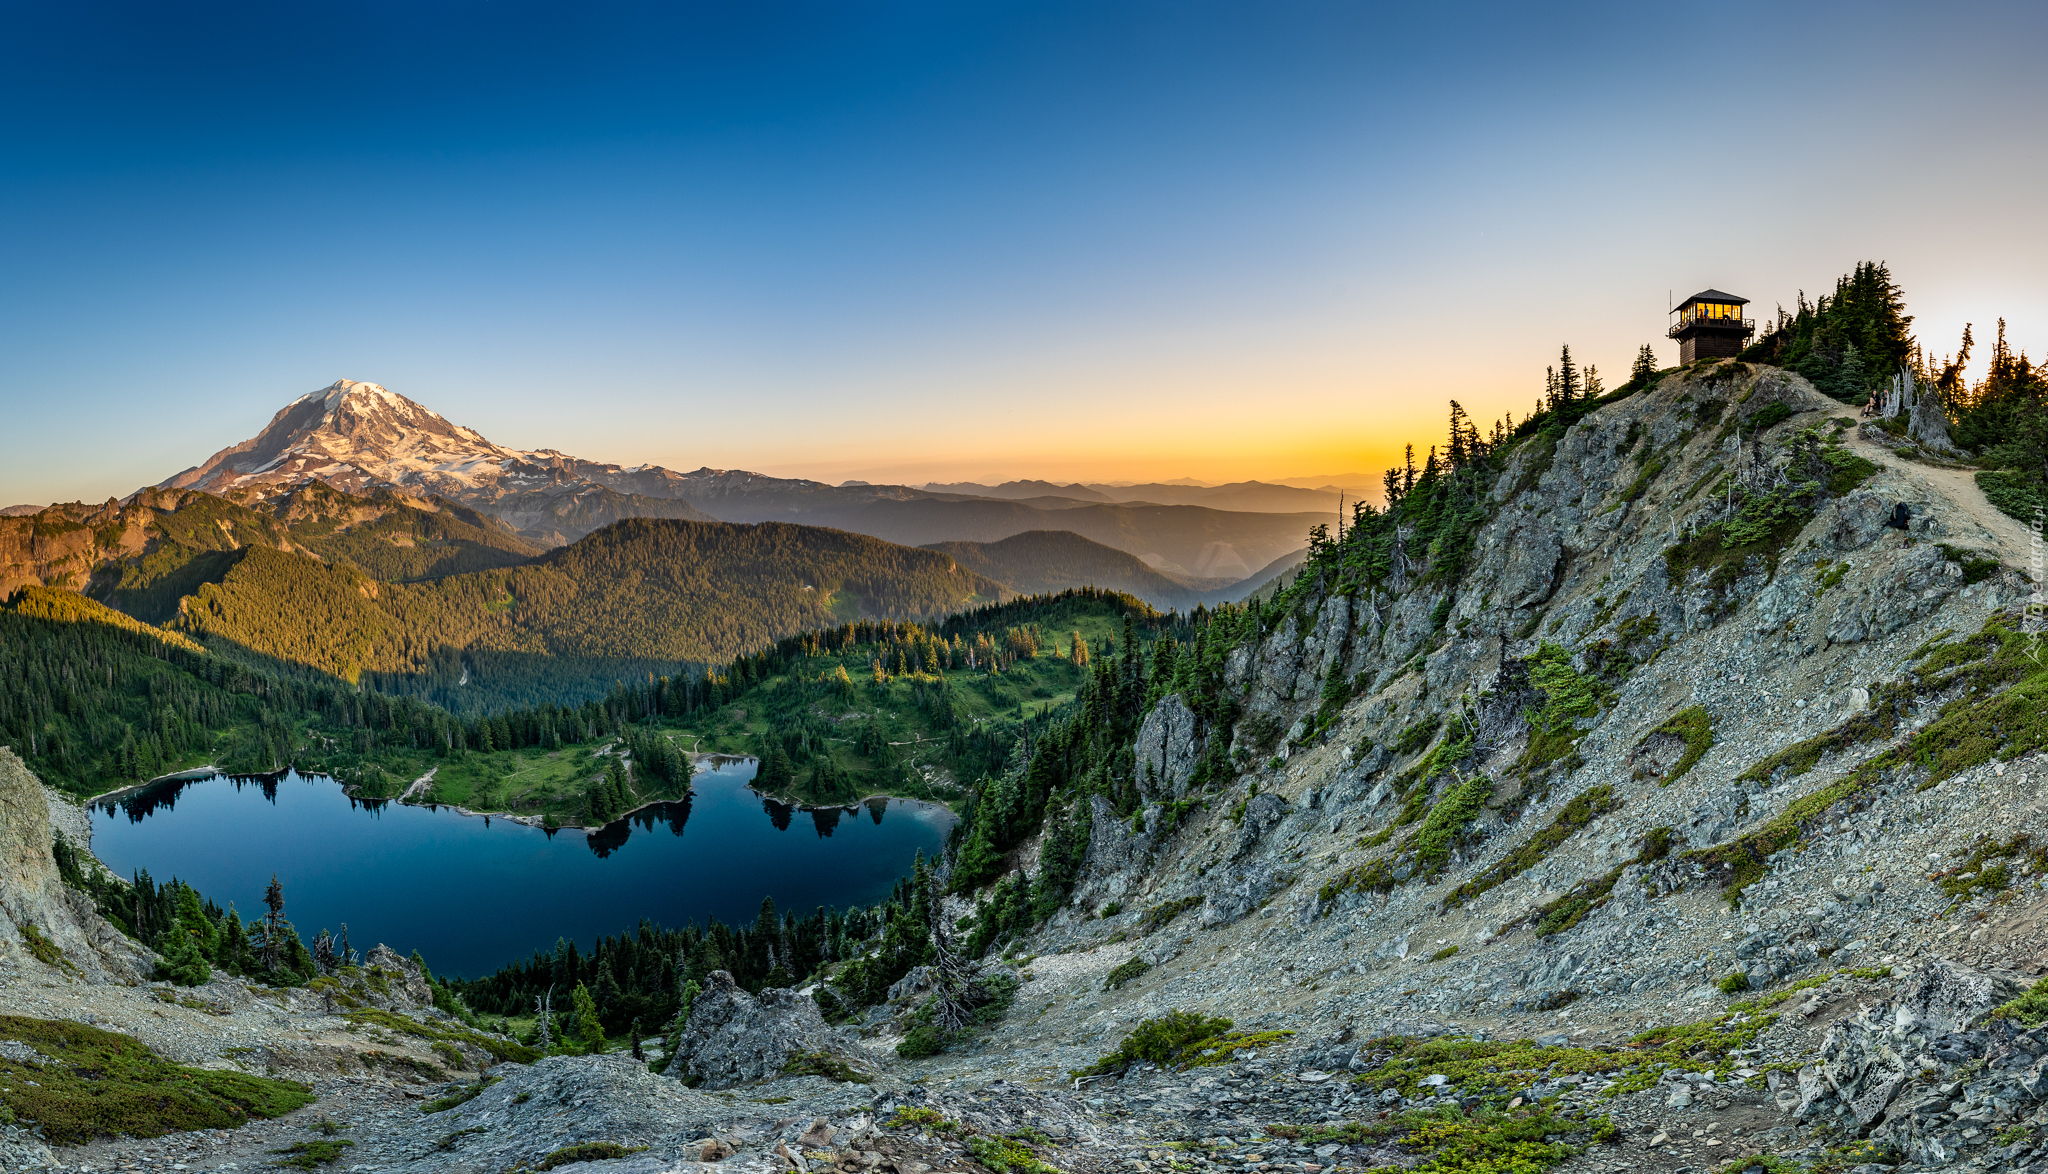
{"x": 50, "y": 926}
{"x": 1758, "y": 785}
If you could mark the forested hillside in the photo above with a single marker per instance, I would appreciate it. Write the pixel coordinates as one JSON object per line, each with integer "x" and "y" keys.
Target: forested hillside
{"x": 649, "y": 589}
{"x": 143, "y": 556}
{"x": 98, "y": 700}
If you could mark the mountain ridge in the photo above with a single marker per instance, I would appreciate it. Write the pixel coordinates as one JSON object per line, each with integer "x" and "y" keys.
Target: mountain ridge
{"x": 362, "y": 436}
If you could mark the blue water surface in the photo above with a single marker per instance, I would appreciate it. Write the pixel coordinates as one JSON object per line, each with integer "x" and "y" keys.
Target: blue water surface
{"x": 472, "y": 894}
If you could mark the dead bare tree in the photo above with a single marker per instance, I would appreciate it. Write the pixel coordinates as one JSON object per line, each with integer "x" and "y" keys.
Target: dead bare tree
{"x": 543, "y": 1007}
{"x": 956, "y": 993}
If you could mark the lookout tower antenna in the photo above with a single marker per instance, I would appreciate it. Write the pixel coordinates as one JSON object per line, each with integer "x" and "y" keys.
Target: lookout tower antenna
{"x": 1710, "y": 325}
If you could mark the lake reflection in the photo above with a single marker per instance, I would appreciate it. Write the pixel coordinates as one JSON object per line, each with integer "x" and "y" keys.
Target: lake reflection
{"x": 472, "y": 893}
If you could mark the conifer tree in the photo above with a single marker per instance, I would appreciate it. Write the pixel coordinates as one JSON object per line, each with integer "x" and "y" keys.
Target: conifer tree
{"x": 583, "y": 1010}
{"x": 1568, "y": 388}
{"x": 1645, "y": 367}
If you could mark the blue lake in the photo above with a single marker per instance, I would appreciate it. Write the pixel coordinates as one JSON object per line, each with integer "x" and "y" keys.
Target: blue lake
{"x": 472, "y": 894}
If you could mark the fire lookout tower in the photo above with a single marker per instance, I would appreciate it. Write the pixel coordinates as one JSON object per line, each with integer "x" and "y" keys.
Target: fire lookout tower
{"x": 1710, "y": 325}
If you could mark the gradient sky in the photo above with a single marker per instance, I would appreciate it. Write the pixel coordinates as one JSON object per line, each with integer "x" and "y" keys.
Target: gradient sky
{"x": 960, "y": 239}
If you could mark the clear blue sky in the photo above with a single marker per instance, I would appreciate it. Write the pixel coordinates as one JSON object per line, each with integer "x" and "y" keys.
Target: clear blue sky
{"x": 959, "y": 239}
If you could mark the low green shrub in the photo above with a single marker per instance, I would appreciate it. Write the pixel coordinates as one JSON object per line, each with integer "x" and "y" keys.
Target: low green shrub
{"x": 589, "y": 1151}
{"x": 103, "y": 1084}
{"x": 1007, "y": 1154}
{"x": 1733, "y": 982}
{"x": 1976, "y": 565}
{"x": 1181, "y": 1039}
{"x": 2015, "y": 493}
{"x": 2030, "y": 1008}
{"x": 1127, "y": 971}
{"x": 502, "y": 1049}
{"x": 460, "y": 1096}
{"x": 1567, "y": 911}
{"x": 1984, "y": 869}
{"x": 1584, "y": 808}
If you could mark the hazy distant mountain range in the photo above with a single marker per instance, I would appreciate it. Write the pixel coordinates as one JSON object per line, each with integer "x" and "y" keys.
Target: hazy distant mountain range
{"x": 359, "y": 436}
{"x": 1247, "y": 496}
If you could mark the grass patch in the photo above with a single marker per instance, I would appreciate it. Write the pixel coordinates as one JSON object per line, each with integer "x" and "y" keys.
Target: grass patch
{"x": 501, "y": 1049}
{"x": 1446, "y": 952}
{"x": 1642, "y": 482}
{"x": 1584, "y": 808}
{"x": 101, "y": 1084}
{"x": 824, "y": 1064}
{"x": 1976, "y": 565}
{"x": 1158, "y": 915}
{"x": 1567, "y": 911}
{"x": 589, "y": 1151}
{"x": 44, "y": 950}
{"x": 1180, "y": 1039}
{"x": 1374, "y": 876}
{"x": 1497, "y": 1070}
{"x": 1763, "y": 523}
{"x": 1984, "y": 869}
{"x": 2002, "y": 713}
{"x": 461, "y": 1096}
{"x": 1696, "y": 727}
{"x": 1733, "y": 982}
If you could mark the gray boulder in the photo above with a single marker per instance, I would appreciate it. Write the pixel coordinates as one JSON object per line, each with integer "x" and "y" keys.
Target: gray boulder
{"x": 733, "y": 1037}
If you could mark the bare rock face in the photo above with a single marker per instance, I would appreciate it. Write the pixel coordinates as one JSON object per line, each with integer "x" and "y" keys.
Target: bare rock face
{"x": 1116, "y": 857}
{"x": 1168, "y": 749}
{"x": 1929, "y": 425}
{"x": 733, "y": 1037}
{"x": 1866, "y": 1062}
{"x": 45, "y": 920}
{"x": 1858, "y": 520}
{"x": 403, "y": 986}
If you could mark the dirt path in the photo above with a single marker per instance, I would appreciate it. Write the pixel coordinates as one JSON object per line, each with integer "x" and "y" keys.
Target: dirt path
{"x": 419, "y": 785}
{"x": 2014, "y": 541}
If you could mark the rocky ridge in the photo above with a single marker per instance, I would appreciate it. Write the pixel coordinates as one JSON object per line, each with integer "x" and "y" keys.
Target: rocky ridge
{"x": 1838, "y": 1013}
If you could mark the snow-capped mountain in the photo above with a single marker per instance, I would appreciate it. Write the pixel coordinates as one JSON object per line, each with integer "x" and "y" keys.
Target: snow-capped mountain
{"x": 357, "y": 436}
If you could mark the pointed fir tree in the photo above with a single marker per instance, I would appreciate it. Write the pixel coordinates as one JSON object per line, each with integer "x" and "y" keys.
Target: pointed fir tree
{"x": 583, "y": 1012}
{"x": 1645, "y": 368}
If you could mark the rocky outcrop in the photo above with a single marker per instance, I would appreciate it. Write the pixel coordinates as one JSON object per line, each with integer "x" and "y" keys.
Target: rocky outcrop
{"x": 733, "y": 1037}
{"x": 1867, "y": 1077}
{"x": 1169, "y": 744}
{"x": 48, "y": 923}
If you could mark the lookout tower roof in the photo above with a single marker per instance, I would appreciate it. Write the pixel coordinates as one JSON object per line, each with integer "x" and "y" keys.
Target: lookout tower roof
{"x": 1711, "y": 295}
